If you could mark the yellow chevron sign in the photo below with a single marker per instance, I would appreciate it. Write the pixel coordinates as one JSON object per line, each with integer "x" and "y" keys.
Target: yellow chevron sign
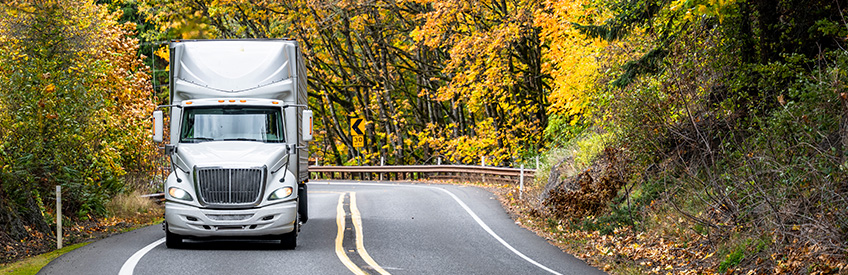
{"x": 357, "y": 126}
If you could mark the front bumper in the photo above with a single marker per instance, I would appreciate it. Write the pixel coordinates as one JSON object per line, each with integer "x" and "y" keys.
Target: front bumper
{"x": 191, "y": 221}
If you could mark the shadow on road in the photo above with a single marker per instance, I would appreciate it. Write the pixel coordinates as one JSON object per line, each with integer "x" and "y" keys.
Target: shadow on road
{"x": 230, "y": 244}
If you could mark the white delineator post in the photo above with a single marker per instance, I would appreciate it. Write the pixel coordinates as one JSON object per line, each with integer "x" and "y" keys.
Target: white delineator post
{"x": 521, "y": 183}
{"x": 58, "y": 217}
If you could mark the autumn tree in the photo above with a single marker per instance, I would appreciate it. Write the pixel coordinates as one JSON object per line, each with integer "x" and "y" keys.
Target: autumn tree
{"x": 575, "y": 61}
{"x": 492, "y": 76}
{"x": 75, "y": 101}
{"x": 371, "y": 59}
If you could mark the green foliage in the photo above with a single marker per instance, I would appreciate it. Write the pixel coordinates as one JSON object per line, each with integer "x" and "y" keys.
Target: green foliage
{"x": 628, "y": 14}
{"x": 560, "y": 131}
{"x": 752, "y": 140}
{"x": 607, "y": 223}
{"x": 628, "y": 209}
{"x": 737, "y": 248}
{"x": 731, "y": 260}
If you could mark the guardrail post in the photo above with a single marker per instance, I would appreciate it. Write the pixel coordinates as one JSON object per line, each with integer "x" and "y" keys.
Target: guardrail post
{"x": 58, "y": 217}
{"x": 521, "y": 183}
{"x": 483, "y": 164}
{"x": 439, "y": 161}
{"x": 537, "y": 162}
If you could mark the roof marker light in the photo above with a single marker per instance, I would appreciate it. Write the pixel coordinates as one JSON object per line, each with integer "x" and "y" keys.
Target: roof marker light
{"x": 232, "y": 100}
{"x": 220, "y": 101}
{"x": 189, "y": 102}
{"x": 242, "y": 101}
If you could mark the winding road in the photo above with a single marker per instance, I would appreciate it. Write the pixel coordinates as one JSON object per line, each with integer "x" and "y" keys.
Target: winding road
{"x": 354, "y": 227}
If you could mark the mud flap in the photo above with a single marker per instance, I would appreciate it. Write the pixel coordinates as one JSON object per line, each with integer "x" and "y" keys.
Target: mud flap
{"x": 302, "y": 203}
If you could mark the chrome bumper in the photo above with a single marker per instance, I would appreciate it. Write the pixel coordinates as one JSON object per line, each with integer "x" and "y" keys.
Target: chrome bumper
{"x": 196, "y": 222}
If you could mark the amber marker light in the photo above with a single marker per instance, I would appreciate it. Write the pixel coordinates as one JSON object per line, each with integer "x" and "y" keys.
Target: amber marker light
{"x": 242, "y": 101}
{"x": 189, "y": 103}
{"x": 232, "y": 100}
{"x": 220, "y": 101}
{"x": 275, "y": 102}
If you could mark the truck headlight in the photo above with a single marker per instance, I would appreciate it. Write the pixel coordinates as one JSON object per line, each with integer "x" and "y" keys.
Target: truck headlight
{"x": 281, "y": 193}
{"x": 178, "y": 193}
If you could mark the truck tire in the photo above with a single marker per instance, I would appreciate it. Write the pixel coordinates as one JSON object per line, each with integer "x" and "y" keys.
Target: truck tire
{"x": 289, "y": 240}
{"x": 172, "y": 240}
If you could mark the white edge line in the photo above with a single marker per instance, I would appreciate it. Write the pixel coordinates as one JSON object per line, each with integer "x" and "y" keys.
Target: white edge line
{"x": 130, "y": 264}
{"x": 475, "y": 217}
{"x": 489, "y": 230}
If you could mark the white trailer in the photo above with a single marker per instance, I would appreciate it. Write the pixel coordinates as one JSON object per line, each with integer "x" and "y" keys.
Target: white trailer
{"x": 239, "y": 129}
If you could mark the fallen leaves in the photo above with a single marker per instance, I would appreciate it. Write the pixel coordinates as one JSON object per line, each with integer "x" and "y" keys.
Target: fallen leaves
{"x": 74, "y": 232}
{"x": 668, "y": 247}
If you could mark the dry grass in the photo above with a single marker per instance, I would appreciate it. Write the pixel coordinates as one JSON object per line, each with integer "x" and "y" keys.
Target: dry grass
{"x": 133, "y": 207}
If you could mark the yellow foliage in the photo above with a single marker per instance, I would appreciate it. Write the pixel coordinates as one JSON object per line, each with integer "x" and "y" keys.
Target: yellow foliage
{"x": 572, "y": 59}
{"x": 164, "y": 52}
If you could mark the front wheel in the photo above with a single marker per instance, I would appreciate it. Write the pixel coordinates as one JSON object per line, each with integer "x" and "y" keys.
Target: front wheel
{"x": 172, "y": 240}
{"x": 289, "y": 240}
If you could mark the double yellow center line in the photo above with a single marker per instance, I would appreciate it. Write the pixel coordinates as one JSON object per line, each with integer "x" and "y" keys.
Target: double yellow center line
{"x": 349, "y": 245}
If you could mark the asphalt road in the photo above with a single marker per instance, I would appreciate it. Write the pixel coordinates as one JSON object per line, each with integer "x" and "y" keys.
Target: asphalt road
{"x": 386, "y": 229}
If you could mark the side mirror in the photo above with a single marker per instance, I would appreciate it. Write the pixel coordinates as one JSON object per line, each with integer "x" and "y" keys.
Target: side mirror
{"x": 307, "y": 125}
{"x": 158, "y": 128}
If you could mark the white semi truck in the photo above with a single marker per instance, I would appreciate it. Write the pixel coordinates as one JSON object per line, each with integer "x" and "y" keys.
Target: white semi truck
{"x": 239, "y": 127}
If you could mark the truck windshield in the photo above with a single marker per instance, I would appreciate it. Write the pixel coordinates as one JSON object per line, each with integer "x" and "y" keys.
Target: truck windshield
{"x": 264, "y": 124}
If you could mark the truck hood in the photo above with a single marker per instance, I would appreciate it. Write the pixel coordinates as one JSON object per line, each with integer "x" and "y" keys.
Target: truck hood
{"x": 232, "y": 154}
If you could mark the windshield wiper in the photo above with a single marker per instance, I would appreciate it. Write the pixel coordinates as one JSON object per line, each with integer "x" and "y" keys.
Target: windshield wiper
{"x": 241, "y": 139}
{"x": 200, "y": 139}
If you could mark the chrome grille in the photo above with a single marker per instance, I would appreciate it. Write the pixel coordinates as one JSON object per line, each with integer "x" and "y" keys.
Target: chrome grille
{"x": 230, "y": 186}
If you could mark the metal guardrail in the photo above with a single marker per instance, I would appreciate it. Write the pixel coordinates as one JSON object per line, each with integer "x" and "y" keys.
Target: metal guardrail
{"x": 160, "y": 197}
{"x": 414, "y": 172}
{"x": 485, "y": 174}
